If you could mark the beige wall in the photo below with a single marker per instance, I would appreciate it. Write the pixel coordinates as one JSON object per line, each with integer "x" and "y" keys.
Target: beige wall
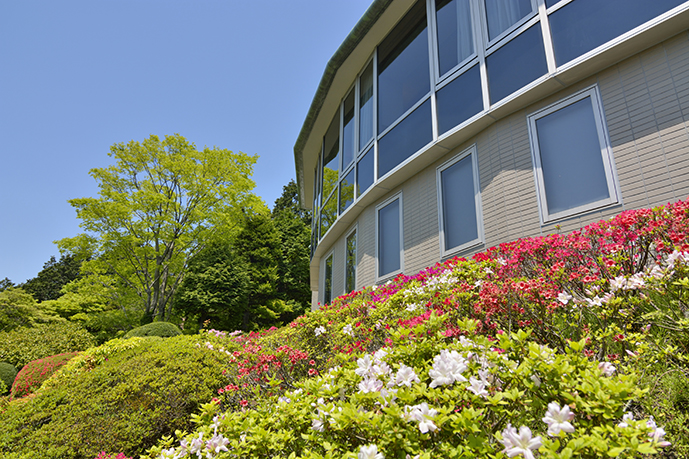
{"x": 646, "y": 103}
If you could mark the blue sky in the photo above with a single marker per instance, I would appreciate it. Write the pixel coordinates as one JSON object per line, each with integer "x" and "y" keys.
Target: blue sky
{"x": 78, "y": 76}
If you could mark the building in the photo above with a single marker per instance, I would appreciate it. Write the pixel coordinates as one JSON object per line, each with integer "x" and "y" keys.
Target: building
{"x": 444, "y": 127}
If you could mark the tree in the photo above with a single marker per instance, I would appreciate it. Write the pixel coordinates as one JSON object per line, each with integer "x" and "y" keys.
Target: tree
{"x": 294, "y": 227}
{"x": 215, "y": 289}
{"x": 5, "y": 284}
{"x": 158, "y": 206}
{"x": 19, "y": 309}
{"x": 54, "y": 275}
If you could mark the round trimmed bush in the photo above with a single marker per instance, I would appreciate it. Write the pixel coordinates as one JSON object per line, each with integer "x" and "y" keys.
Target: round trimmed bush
{"x": 125, "y": 403}
{"x": 34, "y": 373}
{"x": 161, "y": 329}
{"x": 7, "y": 374}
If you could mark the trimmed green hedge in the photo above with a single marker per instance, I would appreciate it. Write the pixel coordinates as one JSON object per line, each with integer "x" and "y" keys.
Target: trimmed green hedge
{"x": 7, "y": 374}
{"x": 123, "y": 403}
{"x": 162, "y": 329}
{"x": 26, "y": 344}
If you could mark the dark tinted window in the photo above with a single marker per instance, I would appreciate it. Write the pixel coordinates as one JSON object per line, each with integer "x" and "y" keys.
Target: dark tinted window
{"x": 389, "y": 238}
{"x": 405, "y": 139}
{"x": 459, "y": 204}
{"x": 348, "y": 131}
{"x": 364, "y": 178}
{"x": 516, "y": 64}
{"x": 459, "y": 100}
{"x": 583, "y": 25}
{"x": 347, "y": 191}
{"x": 503, "y": 14}
{"x": 403, "y": 72}
{"x": 455, "y": 37}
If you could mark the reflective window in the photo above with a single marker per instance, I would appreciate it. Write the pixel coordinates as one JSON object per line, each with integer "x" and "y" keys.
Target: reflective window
{"x": 350, "y": 263}
{"x": 405, "y": 139}
{"x": 459, "y": 216}
{"x": 516, "y": 64}
{"x": 572, "y": 157}
{"x": 459, "y": 100}
{"x": 364, "y": 178}
{"x": 366, "y": 107}
{"x": 348, "y": 131}
{"x": 347, "y": 191}
{"x": 503, "y": 14}
{"x": 328, "y": 214}
{"x": 389, "y": 238}
{"x": 331, "y": 157}
{"x": 455, "y": 37}
{"x": 328, "y": 281}
{"x": 549, "y": 3}
{"x": 403, "y": 67}
{"x": 583, "y": 25}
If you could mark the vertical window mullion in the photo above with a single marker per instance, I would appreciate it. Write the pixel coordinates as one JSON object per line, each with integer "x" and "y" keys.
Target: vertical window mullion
{"x": 433, "y": 64}
{"x": 547, "y": 37}
{"x": 481, "y": 39}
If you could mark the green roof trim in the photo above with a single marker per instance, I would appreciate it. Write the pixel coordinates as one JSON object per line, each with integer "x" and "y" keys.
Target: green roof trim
{"x": 357, "y": 34}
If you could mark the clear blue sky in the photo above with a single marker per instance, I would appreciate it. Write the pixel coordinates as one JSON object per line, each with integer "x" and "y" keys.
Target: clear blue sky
{"x": 79, "y": 76}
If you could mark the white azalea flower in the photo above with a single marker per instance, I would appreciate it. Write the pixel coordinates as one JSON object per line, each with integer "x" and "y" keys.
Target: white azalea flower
{"x": 564, "y": 297}
{"x": 317, "y": 425}
{"x": 347, "y": 330}
{"x": 406, "y": 376}
{"x": 558, "y": 419}
{"x": 423, "y": 415}
{"x": 365, "y": 364}
{"x": 448, "y": 367}
{"x": 368, "y": 385}
{"x": 319, "y": 330}
{"x": 618, "y": 283}
{"x": 626, "y": 417}
{"x": 478, "y": 387}
{"x": 217, "y": 443}
{"x": 370, "y": 452}
{"x": 607, "y": 368}
{"x": 657, "y": 437}
{"x": 519, "y": 443}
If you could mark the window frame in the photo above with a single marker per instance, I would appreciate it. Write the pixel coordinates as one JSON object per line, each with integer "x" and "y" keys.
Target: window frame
{"x": 355, "y": 232}
{"x": 390, "y": 200}
{"x": 330, "y": 256}
{"x": 447, "y": 251}
{"x": 607, "y": 156}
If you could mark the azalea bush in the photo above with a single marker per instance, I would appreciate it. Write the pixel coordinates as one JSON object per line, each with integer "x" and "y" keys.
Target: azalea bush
{"x": 587, "y": 330}
{"x": 34, "y": 373}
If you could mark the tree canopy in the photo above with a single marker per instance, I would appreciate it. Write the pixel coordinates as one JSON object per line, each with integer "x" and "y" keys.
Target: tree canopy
{"x": 158, "y": 206}
{"x": 48, "y": 283}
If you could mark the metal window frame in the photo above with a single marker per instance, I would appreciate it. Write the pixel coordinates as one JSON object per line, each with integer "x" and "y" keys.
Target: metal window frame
{"x": 354, "y": 231}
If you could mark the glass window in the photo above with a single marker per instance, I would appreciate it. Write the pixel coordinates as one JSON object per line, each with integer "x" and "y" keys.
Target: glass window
{"x": 328, "y": 280}
{"x": 350, "y": 263}
{"x": 459, "y": 100}
{"x": 503, "y": 14}
{"x": 455, "y": 37}
{"x": 331, "y": 157}
{"x": 366, "y": 106}
{"x": 459, "y": 209}
{"x": 581, "y": 26}
{"x": 403, "y": 72}
{"x": 405, "y": 139}
{"x": 347, "y": 191}
{"x": 364, "y": 177}
{"x": 328, "y": 214}
{"x": 572, "y": 156}
{"x": 348, "y": 131}
{"x": 389, "y": 238}
{"x": 516, "y": 64}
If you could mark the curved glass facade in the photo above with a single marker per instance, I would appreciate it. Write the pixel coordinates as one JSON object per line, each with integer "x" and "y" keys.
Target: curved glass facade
{"x": 444, "y": 64}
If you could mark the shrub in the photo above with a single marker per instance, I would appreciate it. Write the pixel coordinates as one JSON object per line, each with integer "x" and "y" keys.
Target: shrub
{"x": 124, "y": 403}
{"x": 162, "y": 329}
{"x": 34, "y": 373}
{"x": 7, "y": 374}
{"x": 26, "y": 344}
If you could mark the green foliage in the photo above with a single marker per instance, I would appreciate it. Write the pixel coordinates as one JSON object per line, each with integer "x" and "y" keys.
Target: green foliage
{"x": 34, "y": 373}
{"x": 5, "y": 284}
{"x": 19, "y": 309}
{"x": 215, "y": 290}
{"x": 48, "y": 283}
{"x": 123, "y": 403}
{"x": 8, "y": 373}
{"x": 159, "y": 204}
{"x": 160, "y": 329}
{"x": 25, "y": 344}
{"x": 110, "y": 324}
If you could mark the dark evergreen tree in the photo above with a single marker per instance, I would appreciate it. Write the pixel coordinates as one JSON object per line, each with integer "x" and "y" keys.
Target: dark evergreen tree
{"x": 5, "y": 284}
{"x": 55, "y": 274}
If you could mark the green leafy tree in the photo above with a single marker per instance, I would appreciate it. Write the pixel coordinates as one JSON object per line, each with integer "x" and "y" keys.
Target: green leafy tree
{"x": 159, "y": 205}
{"x": 19, "y": 309}
{"x": 294, "y": 227}
{"x": 215, "y": 289}
{"x": 5, "y": 284}
{"x": 48, "y": 283}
